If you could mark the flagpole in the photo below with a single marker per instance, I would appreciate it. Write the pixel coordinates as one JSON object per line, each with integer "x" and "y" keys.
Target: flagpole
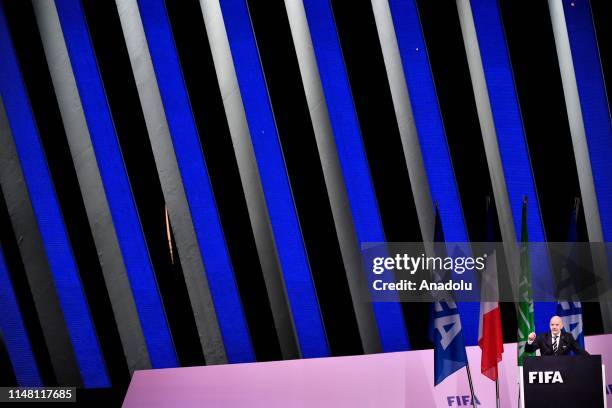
{"x": 497, "y": 401}
{"x": 467, "y": 367}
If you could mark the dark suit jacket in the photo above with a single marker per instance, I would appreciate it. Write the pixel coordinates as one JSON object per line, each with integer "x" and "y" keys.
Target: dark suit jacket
{"x": 567, "y": 343}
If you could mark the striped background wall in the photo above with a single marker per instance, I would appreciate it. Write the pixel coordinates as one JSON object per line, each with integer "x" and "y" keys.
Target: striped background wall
{"x": 189, "y": 182}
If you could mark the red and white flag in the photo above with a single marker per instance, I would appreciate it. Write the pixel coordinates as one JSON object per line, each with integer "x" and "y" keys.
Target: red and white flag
{"x": 490, "y": 337}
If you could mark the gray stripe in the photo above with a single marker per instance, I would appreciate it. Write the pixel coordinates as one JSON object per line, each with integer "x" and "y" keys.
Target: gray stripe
{"x": 92, "y": 189}
{"x": 171, "y": 183}
{"x": 334, "y": 181}
{"x": 581, "y": 152}
{"x": 249, "y": 175}
{"x": 489, "y": 136}
{"x": 34, "y": 260}
{"x": 405, "y": 119}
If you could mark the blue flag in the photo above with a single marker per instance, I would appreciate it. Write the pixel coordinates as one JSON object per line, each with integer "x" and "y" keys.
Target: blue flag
{"x": 445, "y": 330}
{"x": 447, "y": 338}
{"x": 570, "y": 312}
{"x": 571, "y": 315}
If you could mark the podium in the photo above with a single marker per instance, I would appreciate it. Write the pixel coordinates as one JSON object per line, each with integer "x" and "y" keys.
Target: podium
{"x": 562, "y": 381}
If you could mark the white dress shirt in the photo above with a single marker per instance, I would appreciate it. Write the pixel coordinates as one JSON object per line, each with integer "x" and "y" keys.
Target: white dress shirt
{"x": 557, "y": 340}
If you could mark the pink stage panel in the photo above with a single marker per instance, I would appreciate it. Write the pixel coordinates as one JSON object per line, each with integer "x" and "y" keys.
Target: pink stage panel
{"x": 382, "y": 380}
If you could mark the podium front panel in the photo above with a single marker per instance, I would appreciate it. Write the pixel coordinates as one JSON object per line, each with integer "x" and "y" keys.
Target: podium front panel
{"x": 563, "y": 381}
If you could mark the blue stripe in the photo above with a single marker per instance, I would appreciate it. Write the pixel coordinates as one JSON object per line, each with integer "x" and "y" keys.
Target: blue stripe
{"x": 275, "y": 181}
{"x": 48, "y": 215}
{"x": 351, "y": 153}
{"x": 116, "y": 185}
{"x": 594, "y": 104}
{"x": 14, "y": 332}
{"x": 512, "y": 143}
{"x": 432, "y": 137}
{"x": 198, "y": 189}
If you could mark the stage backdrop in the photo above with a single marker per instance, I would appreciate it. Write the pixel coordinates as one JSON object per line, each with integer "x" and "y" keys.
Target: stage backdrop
{"x": 402, "y": 379}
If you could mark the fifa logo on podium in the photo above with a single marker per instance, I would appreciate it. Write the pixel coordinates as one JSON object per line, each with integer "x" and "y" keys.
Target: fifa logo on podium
{"x": 545, "y": 377}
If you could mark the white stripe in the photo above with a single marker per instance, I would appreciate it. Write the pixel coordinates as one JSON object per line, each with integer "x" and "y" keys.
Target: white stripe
{"x": 405, "y": 120}
{"x": 332, "y": 173}
{"x": 489, "y": 137}
{"x": 249, "y": 176}
{"x": 91, "y": 187}
{"x": 581, "y": 153}
{"x": 171, "y": 183}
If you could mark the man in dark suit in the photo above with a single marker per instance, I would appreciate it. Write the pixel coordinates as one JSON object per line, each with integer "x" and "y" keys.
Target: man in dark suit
{"x": 555, "y": 342}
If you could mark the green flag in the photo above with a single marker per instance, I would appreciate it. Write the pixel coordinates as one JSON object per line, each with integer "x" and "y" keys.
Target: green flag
{"x": 526, "y": 324}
